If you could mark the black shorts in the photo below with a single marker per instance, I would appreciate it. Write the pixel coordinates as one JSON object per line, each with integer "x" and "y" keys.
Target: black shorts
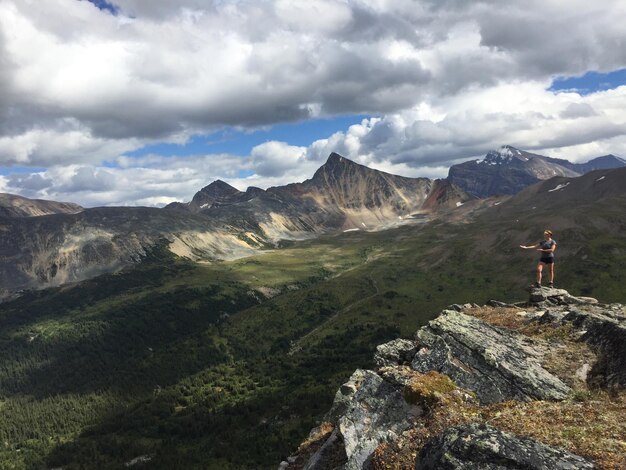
{"x": 547, "y": 260}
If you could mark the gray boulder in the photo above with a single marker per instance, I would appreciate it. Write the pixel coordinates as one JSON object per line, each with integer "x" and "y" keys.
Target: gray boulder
{"x": 395, "y": 352}
{"x": 481, "y": 447}
{"x": 547, "y": 295}
{"x": 367, "y": 410}
{"x": 607, "y": 337}
{"x": 494, "y": 363}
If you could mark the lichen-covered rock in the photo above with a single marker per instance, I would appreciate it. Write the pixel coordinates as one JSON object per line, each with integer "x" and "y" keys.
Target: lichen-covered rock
{"x": 398, "y": 375}
{"x": 547, "y": 295}
{"x": 607, "y": 336}
{"x": 471, "y": 447}
{"x": 374, "y": 412}
{"x": 395, "y": 352}
{"x": 494, "y": 363}
{"x": 345, "y": 394}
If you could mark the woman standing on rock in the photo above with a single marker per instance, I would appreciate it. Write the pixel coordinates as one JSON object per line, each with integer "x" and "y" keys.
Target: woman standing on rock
{"x": 546, "y": 247}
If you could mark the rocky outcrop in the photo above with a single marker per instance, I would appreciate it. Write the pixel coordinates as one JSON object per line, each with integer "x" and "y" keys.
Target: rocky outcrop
{"x": 396, "y": 352}
{"x": 602, "y": 327}
{"x": 494, "y": 363}
{"x": 459, "y": 369}
{"x": 606, "y": 334}
{"x": 548, "y": 295}
{"x": 475, "y": 446}
{"x": 369, "y": 411}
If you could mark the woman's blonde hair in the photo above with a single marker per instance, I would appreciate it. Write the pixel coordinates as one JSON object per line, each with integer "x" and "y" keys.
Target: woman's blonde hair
{"x": 548, "y": 232}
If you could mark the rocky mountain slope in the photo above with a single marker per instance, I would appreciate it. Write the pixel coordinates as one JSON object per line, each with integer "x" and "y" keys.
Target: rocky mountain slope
{"x": 18, "y": 206}
{"x": 219, "y": 223}
{"x": 516, "y": 386}
{"x": 55, "y": 249}
{"x": 341, "y": 195}
{"x": 509, "y": 170}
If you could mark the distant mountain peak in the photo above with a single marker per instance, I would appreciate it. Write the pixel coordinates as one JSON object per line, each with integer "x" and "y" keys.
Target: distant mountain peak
{"x": 219, "y": 188}
{"x": 504, "y": 154}
{"x": 334, "y": 159}
{"x": 609, "y": 157}
{"x": 508, "y": 170}
{"x": 338, "y": 165}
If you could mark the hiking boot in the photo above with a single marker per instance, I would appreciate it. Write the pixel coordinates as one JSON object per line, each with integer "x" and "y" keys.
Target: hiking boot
{"x": 551, "y": 285}
{"x": 537, "y": 285}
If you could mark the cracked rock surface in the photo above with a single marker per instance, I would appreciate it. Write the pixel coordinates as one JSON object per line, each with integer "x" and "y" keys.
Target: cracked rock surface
{"x": 475, "y": 446}
{"x": 494, "y": 363}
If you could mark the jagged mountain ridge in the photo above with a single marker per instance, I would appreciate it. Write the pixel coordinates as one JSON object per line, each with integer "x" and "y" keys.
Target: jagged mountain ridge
{"x": 342, "y": 194}
{"x": 220, "y": 222}
{"x": 12, "y": 205}
{"x": 508, "y": 170}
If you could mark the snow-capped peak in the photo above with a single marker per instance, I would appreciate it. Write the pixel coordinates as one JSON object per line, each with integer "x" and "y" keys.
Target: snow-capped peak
{"x": 504, "y": 154}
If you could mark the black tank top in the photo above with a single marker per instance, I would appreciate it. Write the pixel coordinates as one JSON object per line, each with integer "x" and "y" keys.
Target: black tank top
{"x": 546, "y": 245}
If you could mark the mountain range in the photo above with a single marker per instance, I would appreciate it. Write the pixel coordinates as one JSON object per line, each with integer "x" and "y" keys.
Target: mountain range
{"x": 508, "y": 170}
{"x": 220, "y": 222}
{"x": 46, "y": 243}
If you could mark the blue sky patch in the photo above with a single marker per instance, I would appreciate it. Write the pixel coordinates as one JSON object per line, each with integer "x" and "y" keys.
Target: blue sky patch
{"x": 106, "y": 6}
{"x": 237, "y": 142}
{"x": 7, "y": 170}
{"x": 590, "y": 82}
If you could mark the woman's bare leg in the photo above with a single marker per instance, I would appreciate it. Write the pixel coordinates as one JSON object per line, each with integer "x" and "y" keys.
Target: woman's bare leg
{"x": 552, "y": 273}
{"x": 539, "y": 269}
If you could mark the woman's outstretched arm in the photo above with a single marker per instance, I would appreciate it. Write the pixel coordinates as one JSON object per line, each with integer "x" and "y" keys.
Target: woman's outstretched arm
{"x": 528, "y": 247}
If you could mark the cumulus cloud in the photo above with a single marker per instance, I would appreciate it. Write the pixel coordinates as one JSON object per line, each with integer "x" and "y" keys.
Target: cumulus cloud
{"x": 272, "y": 158}
{"x": 525, "y": 115}
{"x": 445, "y": 80}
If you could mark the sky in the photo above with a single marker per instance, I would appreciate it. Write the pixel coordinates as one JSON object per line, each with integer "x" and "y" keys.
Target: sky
{"x": 144, "y": 102}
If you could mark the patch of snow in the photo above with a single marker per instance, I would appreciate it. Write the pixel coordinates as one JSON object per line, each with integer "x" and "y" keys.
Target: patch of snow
{"x": 351, "y": 230}
{"x": 204, "y": 206}
{"x": 496, "y": 203}
{"x": 505, "y": 151}
{"x": 363, "y": 224}
{"x": 399, "y": 217}
{"x": 459, "y": 204}
{"x": 560, "y": 186}
{"x": 601, "y": 178}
